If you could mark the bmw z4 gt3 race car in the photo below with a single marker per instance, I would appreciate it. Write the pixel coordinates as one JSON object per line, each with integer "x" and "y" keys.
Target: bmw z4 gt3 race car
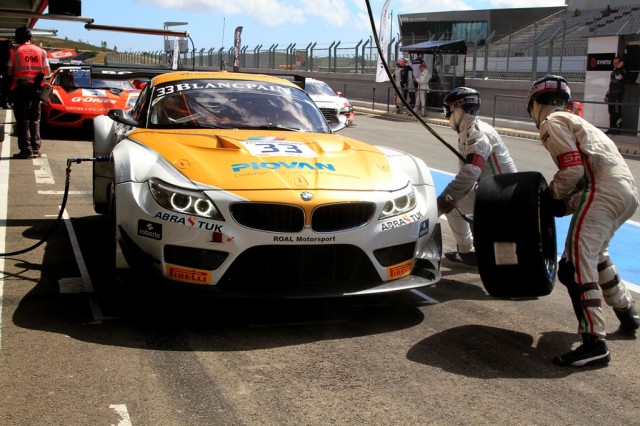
{"x": 77, "y": 97}
{"x": 237, "y": 182}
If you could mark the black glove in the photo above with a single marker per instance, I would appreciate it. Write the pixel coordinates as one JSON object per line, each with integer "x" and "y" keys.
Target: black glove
{"x": 445, "y": 204}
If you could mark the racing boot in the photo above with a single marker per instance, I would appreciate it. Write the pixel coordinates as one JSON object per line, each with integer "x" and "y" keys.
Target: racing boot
{"x": 591, "y": 352}
{"x": 629, "y": 319}
{"x": 468, "y": 259}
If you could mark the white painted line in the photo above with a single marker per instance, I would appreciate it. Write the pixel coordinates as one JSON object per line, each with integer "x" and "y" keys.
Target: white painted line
{"x": 424, "y": 296}
{"x": 84, "y": 272}
{"x": 121, "y": 410}
{"x": 43, "y": 174}
{"x": 62, "y": 192}
{"x": 4, "y": 195}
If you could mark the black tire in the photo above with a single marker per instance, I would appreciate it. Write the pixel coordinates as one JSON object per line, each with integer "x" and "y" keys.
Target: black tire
{"x": 515, "y": 235}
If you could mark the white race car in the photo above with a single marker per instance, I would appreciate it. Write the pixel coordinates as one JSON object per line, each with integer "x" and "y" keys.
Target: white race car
{"x": 237, "y": 182}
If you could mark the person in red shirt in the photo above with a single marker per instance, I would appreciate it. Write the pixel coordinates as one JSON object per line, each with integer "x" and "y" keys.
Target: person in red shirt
{"x": 28, "y": 65}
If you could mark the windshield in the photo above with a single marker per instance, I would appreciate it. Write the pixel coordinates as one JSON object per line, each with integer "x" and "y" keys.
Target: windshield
{"x": 234, "y": 104}
{"x": 317, "y": 88}
{"x": 80, "y": 78}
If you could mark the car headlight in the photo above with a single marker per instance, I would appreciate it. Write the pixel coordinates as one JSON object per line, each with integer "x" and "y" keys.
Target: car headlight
{"x": 399, "y": 205}
{"x": 184, "y": 201}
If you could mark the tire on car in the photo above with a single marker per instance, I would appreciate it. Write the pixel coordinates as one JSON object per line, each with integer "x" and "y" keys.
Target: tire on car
{"x": 515, "y": 236}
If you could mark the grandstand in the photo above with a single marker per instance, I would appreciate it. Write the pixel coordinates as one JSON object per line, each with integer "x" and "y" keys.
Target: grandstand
{"x": 552, "y": 40}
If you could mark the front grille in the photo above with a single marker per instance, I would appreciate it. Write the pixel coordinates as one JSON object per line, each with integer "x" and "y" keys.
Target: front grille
{"x": 268, "y": 217}
{"x": 393, "y": 255}
{"x": 341, "y": 216}
{"x": 194, "y": 257}
{"x": 319, "y": 268}
{"x": 329, "y": 113}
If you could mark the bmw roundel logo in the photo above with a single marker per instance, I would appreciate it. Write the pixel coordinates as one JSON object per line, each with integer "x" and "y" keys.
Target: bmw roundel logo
{"x": 306, "y": 196}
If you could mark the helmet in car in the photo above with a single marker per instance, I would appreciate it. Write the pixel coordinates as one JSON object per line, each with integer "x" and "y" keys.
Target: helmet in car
{"x": 549, "y": 90}
{"x": 23, "y": 34}
{"x": 462, "y": 97}
{"x": 402, "y": 62}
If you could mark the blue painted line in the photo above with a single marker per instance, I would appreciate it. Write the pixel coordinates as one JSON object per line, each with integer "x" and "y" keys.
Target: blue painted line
{"x": 621, "y": 248}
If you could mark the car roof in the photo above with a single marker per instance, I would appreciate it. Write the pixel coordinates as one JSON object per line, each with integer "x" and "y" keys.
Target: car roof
{"x": 219, "y": 75}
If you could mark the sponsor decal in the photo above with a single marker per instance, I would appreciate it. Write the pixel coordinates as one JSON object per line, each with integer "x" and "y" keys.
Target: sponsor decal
{"x": 569, "y": 159}
{"x": 403, "y": 220}
{"x": 424, "y": 228}
{"x": 219, "y": 237}
{"x": 149, "y": 229}
{"x": 238, "y": 85}
{"x": 600, "y": 61}
{"x": 188, "y": 275}
{"x": 307, "y": 240}
{"x": 275, "y": 165}
{"x": 191, "y": 222}
{"x": 400, "y": 270}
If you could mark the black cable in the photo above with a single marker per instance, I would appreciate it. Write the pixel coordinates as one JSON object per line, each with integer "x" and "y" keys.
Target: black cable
{"x": 398, "y": 92}
{"x": 62, "y": 206}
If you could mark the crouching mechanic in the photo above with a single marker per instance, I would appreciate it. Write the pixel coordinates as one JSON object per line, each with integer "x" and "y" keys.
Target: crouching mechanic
{"x": 593, "y": 183}
{"x": 484, "y": 154}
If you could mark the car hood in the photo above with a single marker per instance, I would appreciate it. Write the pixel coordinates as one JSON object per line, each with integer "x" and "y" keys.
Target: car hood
{"x": 224, "y": 159}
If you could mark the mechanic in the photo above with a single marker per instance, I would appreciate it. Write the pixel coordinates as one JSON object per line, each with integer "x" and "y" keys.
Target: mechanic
{"x": 614, "y": 96}
{"x": 5, "y": 79}
{"x": 484, "y": 154}
{"x": 28, "y": 65}
{"x": 594, "y": 184}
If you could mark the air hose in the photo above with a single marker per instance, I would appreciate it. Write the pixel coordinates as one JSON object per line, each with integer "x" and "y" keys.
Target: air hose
{"x": 398, "y": 91}
{"x": 70, "y": 161}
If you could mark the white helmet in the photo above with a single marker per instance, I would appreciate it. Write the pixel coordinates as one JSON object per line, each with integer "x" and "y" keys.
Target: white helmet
{"x": 550, "y": 90}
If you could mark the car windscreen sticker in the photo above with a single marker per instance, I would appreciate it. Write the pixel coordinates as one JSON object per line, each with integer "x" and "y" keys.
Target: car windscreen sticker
{"x": 237, "y": 85}
{"x": 273, "y": 147}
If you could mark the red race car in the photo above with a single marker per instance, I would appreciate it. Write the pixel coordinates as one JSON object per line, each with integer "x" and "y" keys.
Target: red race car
{"x": 77, "y": 97}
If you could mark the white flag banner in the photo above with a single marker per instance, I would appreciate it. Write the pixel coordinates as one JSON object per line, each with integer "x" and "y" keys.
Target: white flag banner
{"x": 383, "y": 37}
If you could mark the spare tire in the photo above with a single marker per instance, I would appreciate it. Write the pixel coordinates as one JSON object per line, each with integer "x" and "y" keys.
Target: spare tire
{"x": 515, "y": 235}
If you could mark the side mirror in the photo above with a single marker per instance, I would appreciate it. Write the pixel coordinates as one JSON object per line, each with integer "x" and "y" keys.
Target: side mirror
{"x": 122, "y": 116}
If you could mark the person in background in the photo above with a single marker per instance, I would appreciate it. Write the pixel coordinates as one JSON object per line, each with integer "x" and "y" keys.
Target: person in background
{"x": 423, "y": 87}
{"x": 416, "y": 61}
{"x": 614, "y": 96}
{"x": 404, "y": 79}
{"x": 594, "y": 185}
{"x": 28, "y": 65}
{"x": 484, "y": 154}
{"x": 576, "y": 108}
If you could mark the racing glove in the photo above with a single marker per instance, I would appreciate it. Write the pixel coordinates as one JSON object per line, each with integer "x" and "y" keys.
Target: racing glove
{"x": 558, "y": 207}
{"x": 445, "y": 204}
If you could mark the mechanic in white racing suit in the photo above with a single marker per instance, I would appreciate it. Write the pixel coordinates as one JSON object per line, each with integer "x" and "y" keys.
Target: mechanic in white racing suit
{"x": 484, "y": 154}
{"x": 593, "y": 183}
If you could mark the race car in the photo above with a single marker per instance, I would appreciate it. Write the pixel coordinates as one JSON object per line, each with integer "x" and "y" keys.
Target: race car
{"x": 77, "y": 97}
{"x": 236, "y": 182}
{"x": 330, "y": 103}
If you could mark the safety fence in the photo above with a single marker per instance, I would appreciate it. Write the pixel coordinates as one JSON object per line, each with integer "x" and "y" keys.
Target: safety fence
{"x": 508, "y": 58}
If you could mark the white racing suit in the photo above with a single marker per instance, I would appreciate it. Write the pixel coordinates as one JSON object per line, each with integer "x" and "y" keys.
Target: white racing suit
{"x": 485, "y": 154}
{"x": 598, "y": 188}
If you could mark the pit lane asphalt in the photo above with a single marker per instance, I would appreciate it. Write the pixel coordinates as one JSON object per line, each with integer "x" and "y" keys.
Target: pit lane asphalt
{"x": 451, "y": 356}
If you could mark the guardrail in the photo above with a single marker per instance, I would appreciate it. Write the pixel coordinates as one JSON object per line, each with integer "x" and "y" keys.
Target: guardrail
{"x": 623, "y": 130}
